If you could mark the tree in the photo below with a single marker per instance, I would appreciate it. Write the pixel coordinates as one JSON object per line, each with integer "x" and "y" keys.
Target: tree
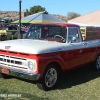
{"x": 27, "y": 12}
{"x": 71, "y": 15}
{"x": 35, "y": 9}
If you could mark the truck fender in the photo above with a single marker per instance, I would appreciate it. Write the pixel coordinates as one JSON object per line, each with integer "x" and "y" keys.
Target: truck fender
{"x": 98, "y": 52}
{"x": 44, "y": 62}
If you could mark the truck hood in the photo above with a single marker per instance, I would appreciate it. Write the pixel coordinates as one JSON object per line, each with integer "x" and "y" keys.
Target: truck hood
{"x": 31, "y": 46}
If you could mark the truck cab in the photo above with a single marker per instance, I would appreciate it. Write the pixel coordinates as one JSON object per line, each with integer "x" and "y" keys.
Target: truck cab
{"x": 53, "y": 32}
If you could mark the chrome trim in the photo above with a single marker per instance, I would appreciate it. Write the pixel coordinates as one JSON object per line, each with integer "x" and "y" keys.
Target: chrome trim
{"x": 13, "y": 61}
{"x": 21, "y": 74}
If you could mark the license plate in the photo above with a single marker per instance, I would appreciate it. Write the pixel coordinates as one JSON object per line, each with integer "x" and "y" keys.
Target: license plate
{"x": 5, "y": 71}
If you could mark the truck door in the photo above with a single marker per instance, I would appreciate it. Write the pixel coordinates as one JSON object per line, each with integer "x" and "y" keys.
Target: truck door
{"x": 77, "y": 49}
{"x": 90, "y": 50}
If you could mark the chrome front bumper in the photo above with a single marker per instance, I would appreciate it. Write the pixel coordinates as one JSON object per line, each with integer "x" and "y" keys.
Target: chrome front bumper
{"x": 20, "y": 74}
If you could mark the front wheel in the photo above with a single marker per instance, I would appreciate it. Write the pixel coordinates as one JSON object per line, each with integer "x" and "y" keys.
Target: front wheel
{"x": 3, "y": 76}
{"x": 50, "y": 78}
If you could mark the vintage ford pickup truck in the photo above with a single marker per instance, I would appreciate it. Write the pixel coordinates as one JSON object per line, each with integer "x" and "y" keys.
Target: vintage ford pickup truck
{"x": 47, "y": 50}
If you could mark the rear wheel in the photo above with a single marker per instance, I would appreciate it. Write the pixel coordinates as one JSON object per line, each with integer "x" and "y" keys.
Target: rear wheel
{"x": 50, "y": 78}
{"x": 97, "y": 63}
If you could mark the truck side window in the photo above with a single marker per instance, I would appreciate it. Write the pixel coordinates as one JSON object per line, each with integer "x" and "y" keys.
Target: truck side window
{"x": 73, "y": 35}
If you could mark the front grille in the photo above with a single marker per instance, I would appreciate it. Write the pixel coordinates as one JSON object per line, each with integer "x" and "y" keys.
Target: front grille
{"x": 13, "y": 61}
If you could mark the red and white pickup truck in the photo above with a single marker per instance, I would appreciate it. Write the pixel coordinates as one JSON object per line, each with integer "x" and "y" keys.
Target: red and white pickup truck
{"x": 50, "y": 48}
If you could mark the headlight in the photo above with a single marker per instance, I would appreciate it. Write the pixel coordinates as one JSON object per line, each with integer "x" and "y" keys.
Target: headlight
{"x": 32, "y": 65}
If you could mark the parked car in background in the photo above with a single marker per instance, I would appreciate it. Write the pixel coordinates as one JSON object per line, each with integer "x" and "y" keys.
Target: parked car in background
{"x": 10, "y": 32}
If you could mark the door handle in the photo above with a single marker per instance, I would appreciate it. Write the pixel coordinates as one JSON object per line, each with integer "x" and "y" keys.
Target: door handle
{"x": 84, "y": 43}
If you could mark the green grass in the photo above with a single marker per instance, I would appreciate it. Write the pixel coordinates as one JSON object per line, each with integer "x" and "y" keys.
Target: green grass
{"x": 79, "y": 84}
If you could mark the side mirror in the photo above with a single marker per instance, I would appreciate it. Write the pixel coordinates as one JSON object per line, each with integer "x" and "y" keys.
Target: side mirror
{"x": 74, "y": 39}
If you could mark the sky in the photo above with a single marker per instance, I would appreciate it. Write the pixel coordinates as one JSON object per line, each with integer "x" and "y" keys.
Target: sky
{"x": 61, "y": 7}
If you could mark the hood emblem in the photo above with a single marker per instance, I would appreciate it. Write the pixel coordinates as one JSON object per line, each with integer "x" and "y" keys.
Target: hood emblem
{"x": 7, "y": 47}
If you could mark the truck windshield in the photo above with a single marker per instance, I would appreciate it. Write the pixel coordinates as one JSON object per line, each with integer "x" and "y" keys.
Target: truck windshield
{"x": 46, "y": 32}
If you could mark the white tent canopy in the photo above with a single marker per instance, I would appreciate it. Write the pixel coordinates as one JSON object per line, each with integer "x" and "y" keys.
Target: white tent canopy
{"x": 80, "y": 24}
{"x": 90, "y": 19}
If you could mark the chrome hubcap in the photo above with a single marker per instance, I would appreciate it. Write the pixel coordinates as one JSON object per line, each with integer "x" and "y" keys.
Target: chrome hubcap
{"x": 98, "y": 63}
{"x": 51, "y": 77}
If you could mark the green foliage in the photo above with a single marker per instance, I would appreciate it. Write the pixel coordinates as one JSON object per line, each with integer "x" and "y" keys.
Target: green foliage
{"x": 27, "y": 12}
{"x": 35, "y": 9}
{"x": 71, "y": 15}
